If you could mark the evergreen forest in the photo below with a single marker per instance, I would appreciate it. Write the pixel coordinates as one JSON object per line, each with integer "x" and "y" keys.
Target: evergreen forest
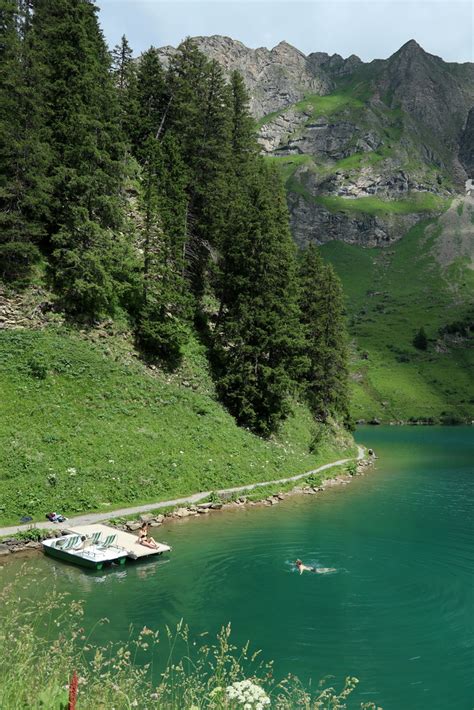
{"x": 136, "y": 191}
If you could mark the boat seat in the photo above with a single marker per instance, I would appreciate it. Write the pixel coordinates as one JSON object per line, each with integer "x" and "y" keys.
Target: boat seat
{"x": 70, "y": 542}
{"x": 108, "y": 542}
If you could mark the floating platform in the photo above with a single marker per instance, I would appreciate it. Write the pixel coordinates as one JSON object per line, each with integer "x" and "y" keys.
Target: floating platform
{"x": 125, "y": 540}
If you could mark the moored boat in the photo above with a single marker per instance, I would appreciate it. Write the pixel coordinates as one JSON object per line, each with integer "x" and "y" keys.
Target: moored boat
{"x": 92, "y": 552}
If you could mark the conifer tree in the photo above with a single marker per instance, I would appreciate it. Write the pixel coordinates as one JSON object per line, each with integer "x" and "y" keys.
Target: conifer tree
{"x": 124, "y": 72}
{"x": 243, "y": 131}
{"x": 152, "y": 100}
{"x": 199, "y": 117}
{"x": 166, "y": 308}
{"x": 24, "y": 152}
{"x": 258, "y": 331}
{"x": 322, "y": 315}
{"x": 420, "y": 341}
{"x": 90, "y": 256}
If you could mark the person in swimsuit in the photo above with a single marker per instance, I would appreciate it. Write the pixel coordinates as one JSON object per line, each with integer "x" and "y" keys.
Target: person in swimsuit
{"x": 303, "y": 568}
{"x": 144, "y": 538}
{"x": 319, "y": 570}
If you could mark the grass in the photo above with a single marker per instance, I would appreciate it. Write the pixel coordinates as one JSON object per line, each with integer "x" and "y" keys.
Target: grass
{"x": 45, "y": 642}
{"x": 288, "y": 164}
{"x": 391, "y": 293}
{"x": 85, "y": 426}
{"x": 329, "y": 105}
{"x": 316, "y": 106}
{"x": 414, "y": 203}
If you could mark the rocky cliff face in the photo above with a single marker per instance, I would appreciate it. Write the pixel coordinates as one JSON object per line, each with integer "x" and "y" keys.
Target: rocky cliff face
{"x": 466, "y": 148}
{"x": 385, "y": 141}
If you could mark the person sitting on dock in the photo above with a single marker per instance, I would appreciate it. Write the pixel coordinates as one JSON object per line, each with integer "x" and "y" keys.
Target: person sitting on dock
{"x": 144, "y": 538}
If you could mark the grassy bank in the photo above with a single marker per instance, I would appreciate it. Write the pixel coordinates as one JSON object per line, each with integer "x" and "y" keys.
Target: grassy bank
{"x": 391, "y": 293}
{"x": 85, "y": 426}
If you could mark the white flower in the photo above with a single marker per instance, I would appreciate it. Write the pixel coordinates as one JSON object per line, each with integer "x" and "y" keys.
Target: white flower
{"x": 247, "y": 694}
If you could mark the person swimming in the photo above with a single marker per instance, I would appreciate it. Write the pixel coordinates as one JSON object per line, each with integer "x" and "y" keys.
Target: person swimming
{"x": 318, "y": 570}
{"x": 303, "y": 568}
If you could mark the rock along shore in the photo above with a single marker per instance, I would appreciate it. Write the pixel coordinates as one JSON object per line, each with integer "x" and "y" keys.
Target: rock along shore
{"x": 11, "y": 545}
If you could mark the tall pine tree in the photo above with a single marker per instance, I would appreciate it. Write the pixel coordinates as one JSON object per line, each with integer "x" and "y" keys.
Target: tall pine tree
{"x": 90, "y": 257}
{"x": 257, "y": 335}
{"x": 24, "y": 151}
{"x": 124, "y": 72}
{"x": 322, "y": 314}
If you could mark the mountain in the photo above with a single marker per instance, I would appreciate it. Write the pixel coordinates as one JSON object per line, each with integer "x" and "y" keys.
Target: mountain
{"x": 366, "y": 149}
{"x": 374, "y": 157}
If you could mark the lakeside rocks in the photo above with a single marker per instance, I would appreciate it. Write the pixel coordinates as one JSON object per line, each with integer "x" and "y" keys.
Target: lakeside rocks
{"x": 13, "y": 545}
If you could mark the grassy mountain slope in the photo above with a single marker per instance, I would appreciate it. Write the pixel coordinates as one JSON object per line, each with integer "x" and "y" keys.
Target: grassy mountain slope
{"x": 425, "y": 279}
{"x": 84, "y": 426}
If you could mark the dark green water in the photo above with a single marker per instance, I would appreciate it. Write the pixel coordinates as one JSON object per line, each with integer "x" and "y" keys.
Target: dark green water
{"x": 399, "y": 611}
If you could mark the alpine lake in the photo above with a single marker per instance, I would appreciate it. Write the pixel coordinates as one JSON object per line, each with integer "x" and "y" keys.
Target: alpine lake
{"x": 397, "y": 612}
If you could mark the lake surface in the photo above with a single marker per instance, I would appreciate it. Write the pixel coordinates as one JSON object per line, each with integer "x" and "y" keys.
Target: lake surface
{"x": 398, "y": 613}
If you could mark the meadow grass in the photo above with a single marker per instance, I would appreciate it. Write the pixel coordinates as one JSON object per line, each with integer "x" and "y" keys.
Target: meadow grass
{"x": 391, "y": 293}
{"x": 85, "y": 426}
{"x": 415, "y": 202}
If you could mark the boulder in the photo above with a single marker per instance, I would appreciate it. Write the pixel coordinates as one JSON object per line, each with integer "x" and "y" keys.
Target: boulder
{"x": 4, "y": 550}
{"x": 182, "y": 513}
{"x": 133, "y": 525}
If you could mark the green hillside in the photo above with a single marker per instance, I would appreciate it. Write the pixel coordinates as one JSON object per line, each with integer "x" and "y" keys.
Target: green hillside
{"x": 424, "y": 280}
{"x": 85, "y": 425}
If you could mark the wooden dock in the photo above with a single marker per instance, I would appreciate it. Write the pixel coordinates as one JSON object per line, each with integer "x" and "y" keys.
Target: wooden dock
{"x": 124, "y": 539}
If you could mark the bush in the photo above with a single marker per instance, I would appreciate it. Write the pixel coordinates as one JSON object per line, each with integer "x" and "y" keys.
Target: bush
{"x": 17, "y": 260}
{"x": 420, "y": 341}
{"x": 162, "y": 338}
{"x": 351, "y": 468}
{"x": 37, "y": 368}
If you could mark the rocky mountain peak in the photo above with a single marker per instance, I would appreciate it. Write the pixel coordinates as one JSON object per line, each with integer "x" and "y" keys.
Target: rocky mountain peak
{"x": 410, "y": 47}
{"x": 275, "y": 78}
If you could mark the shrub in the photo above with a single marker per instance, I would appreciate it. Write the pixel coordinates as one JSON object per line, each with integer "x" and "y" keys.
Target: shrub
{"x": 351, "y": 468}
{"x": 420, "y": 341}
{"x": 162, "y": 338}
{"x": 17, "y": 260}
{"x": 37, "y": 368}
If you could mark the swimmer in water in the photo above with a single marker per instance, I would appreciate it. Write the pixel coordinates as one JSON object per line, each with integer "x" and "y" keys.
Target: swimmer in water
{"x": 304, "y": 568}
{"x": 318, "y": 570}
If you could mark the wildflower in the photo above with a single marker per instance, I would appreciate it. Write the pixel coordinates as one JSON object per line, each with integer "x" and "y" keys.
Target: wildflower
{"x": 248, "y": 694}
{"x": 72, "y": 471}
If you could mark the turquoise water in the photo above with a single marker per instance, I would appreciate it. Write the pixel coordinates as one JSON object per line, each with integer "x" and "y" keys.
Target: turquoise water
{"x": 398, "y": 613}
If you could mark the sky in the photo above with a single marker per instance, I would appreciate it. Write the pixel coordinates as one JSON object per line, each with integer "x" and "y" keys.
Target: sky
{"x": 372, "y": 29}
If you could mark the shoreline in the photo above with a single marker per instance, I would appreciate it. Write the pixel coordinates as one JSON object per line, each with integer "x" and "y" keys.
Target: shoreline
{"x": 191, "y": 507}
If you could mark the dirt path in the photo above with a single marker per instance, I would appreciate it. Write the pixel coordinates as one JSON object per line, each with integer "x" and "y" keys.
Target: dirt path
{"x": 194, "y": 498}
